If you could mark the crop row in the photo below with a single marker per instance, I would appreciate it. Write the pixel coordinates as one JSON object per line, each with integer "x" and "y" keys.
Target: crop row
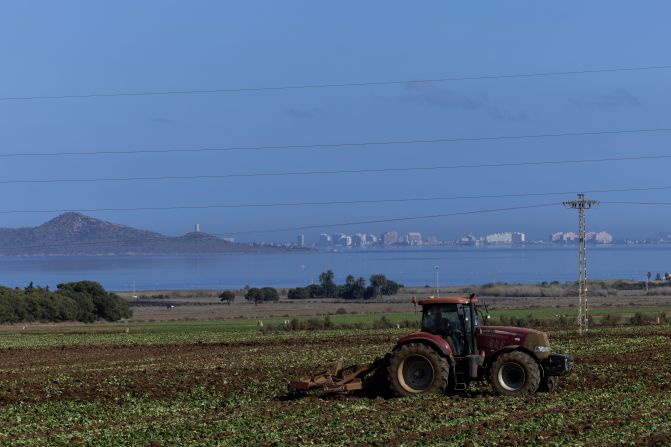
{"x": 229, "y": 389}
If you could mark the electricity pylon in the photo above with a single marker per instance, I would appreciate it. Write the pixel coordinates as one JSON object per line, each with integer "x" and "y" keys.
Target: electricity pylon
{"x": 581, "y": 205}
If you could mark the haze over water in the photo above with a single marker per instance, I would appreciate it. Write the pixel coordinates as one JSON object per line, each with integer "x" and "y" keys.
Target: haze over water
{"x": 410, "y": 266}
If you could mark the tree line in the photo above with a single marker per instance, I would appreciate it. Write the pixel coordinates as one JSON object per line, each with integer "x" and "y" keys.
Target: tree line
{"x": 85, "y": 301}
{"x": 354, "y": 288}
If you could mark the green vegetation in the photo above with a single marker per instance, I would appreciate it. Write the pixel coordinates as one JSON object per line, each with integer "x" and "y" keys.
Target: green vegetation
{"x": 557, "y": 289}
{"x": 227, "y": 296}
{"x": 201, "y": 385}
{"x": 85, "y": 301}
{"x": 261, "y": 295}
{"x": 354, "y": 288}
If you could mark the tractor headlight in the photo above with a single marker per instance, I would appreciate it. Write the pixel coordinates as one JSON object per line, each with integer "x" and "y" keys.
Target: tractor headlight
{"x": 542, "y": 349}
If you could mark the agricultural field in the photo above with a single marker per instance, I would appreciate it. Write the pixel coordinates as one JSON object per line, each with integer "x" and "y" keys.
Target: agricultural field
{"x": 212, "y": 384}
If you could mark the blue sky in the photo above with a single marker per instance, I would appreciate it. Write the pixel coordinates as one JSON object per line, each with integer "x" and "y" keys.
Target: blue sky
{"x": 81, "y": 47}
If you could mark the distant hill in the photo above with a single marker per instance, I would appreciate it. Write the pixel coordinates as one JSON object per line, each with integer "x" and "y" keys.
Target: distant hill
{"x": 77, "y": 234}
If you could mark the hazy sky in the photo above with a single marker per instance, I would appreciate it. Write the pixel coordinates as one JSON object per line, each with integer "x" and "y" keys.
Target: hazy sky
{"x": 82, "y": 47}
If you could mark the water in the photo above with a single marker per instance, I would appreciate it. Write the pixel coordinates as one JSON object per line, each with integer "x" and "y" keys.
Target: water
{"x": 410, "y": 266}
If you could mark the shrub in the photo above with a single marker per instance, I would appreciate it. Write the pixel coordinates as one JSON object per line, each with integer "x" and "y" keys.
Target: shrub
{"x": 261, "y": 295}
{"x": 77, "y": 301}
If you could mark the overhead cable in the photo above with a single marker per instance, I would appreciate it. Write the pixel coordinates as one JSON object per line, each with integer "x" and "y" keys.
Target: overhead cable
{"x": 333, "y": 172}
{"x": 331, "y": 85}
{"x": 337, "y": 145}
{"x": 336, "y": 202}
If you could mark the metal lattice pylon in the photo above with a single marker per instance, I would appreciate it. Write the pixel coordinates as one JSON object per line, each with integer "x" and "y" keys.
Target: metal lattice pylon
{"x": 581, "y": 205}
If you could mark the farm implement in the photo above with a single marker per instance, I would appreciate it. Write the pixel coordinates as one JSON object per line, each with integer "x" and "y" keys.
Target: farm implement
{"x": 451, "y": 350}
{"x": 338, "y": 379}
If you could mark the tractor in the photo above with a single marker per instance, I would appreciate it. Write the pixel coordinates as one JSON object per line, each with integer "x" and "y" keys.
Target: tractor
{"x": 452, "y": 349}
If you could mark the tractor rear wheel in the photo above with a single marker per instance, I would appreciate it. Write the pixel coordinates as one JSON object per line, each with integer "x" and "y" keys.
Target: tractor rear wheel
{"x": 417, "y": 368}
{"x": 515, "y": 374}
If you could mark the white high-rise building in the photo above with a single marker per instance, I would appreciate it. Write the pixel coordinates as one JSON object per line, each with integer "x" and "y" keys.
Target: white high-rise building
{"x": 499, "y": 238}
{"x": 604, "y": 238}
{"x": 389, "y": 238}
{"x": 300, "y": 240}
{"x": 359, "y": 240}
{"x": 414, "y": 238}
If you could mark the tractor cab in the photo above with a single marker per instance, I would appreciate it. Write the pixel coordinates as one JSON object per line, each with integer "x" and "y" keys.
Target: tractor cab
{"x": 450, "y": 319}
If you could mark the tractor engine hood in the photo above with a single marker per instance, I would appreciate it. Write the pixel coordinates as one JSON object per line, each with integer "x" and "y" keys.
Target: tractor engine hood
{"x": 493, "y": 338}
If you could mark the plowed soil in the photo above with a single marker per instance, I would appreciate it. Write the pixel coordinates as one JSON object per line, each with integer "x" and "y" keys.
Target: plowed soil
{"x": 231, "y": 391}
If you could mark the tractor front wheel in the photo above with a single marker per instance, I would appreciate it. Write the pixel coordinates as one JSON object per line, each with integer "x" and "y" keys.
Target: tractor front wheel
{"x": 515, "y": 374}
{"x": 417, "y": 368}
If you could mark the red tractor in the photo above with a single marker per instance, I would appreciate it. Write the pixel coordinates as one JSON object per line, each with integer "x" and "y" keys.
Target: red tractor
{"x": 452, "y": 349}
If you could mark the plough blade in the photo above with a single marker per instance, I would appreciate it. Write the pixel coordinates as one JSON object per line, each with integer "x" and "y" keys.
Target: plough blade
{"x": 336, "y": 380}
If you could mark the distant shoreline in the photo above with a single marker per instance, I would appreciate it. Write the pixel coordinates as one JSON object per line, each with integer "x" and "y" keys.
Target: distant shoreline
{"x": 260, "y": 250}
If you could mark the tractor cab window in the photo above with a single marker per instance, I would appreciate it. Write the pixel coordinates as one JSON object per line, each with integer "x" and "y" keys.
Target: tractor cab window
{"x": 441, "y": 319}
{"x": 476, "y": 317}
{"x": 445, "y": 320}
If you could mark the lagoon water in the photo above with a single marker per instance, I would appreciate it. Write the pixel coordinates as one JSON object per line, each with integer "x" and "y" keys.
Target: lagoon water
{"x": 410, "y": 266}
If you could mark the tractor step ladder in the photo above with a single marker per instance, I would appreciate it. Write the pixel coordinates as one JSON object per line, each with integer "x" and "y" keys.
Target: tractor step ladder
{"x": 460, "y": 381}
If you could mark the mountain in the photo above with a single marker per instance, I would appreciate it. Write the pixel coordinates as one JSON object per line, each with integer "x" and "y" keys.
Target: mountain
{"x": 77, "y": 234}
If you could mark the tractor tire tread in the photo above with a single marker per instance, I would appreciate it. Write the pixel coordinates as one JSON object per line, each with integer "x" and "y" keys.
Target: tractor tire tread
{"x": 395, "y": 361}
{"x": 531, "y": 369}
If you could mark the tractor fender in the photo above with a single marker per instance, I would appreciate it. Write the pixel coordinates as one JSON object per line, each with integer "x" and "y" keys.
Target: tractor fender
{"x": 436, "y": 342}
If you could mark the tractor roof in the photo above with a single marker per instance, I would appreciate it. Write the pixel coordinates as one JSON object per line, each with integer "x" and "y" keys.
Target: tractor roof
{"x": 448, "y": 300}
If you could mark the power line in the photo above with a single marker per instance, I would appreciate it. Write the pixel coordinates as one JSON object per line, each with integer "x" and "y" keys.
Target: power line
{"x": 344, "y": 202}
{"x": 337, "y": 145}
{"x": 277, "y": 230}
{"x": 397, "y": 219}
{"x": 340, "y": 171}
{"x": 639, "y": 203}
{"x": 333, "y": 85}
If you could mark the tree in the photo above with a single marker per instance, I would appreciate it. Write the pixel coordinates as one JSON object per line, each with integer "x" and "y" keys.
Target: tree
{"x": 658, "y": 277}
{"x": 390, "y": 287}
{"x": 227, "y": 296}
{"x": 254, "y": 294}
{"x": 328, "y": 286}
{"x": 299, "y": 293}
{"x": 106, "y": 306}
{"x": 260, "y": 295}
{"x": 270, "y": 294}
{"x": 377, "y": 282}
{"x": 354, "y": 289}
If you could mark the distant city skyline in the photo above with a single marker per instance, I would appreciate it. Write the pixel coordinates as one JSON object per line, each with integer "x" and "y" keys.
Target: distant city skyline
{"x": 415, "y": 238}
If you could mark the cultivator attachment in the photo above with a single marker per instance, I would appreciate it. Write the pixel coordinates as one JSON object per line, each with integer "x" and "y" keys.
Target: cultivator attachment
{"x": 338, "y": 379}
